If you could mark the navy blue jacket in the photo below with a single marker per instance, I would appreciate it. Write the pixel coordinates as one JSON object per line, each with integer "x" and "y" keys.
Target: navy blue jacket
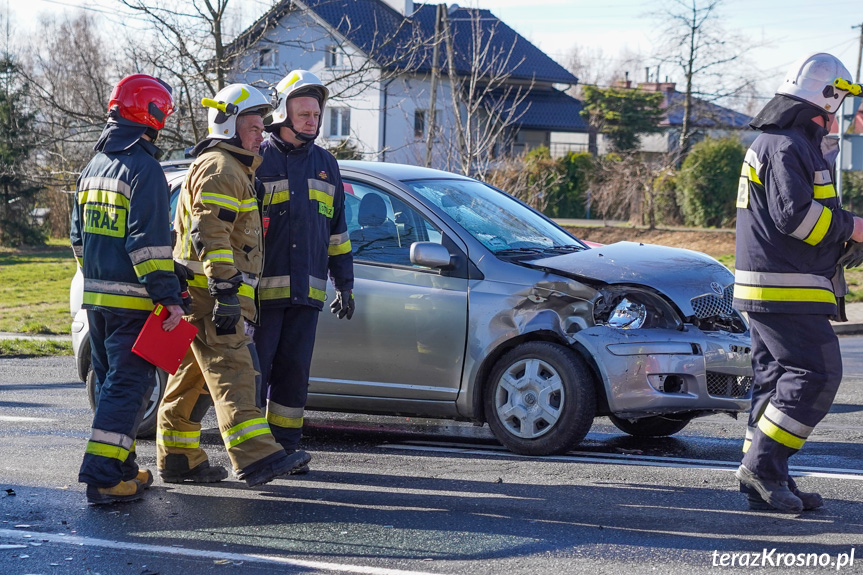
{"x": 302, "y": 203}
{"x": 791, "y": 228}
{"x": 121, "y": 231}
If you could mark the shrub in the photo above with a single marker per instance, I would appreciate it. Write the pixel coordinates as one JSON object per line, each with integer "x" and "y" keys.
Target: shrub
{"x": 707, "y": 182}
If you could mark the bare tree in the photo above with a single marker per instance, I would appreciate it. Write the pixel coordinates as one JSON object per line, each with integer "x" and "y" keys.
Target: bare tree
{"x": 626, "y": 186}
{"x": 72, "y": 76}
{"x": 694, "y": 41}
{"x": 487, "y": 103}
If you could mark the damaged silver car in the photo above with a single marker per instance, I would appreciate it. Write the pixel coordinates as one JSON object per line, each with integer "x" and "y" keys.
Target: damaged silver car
{"x": 473, "y": 306}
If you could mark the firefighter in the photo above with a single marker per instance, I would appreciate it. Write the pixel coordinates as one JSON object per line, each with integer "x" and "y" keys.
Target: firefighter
{"x": 219, "y": 238}
{"x": 303, "y": 204}
{"x": 120, "y": 236}
{"x": 791, "y": 232}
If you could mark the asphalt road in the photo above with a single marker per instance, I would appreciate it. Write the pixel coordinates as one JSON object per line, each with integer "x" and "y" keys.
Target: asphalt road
{"x": 395, "y": 496}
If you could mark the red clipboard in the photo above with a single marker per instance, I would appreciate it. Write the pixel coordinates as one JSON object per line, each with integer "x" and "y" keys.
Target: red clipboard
{"x": 164, "y": 349}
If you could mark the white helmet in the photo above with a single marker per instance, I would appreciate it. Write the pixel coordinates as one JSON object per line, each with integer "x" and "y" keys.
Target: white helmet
{"x": 811, "y": 79}
{"x": 233, "y": 101}
{"x": 296, "y": 84}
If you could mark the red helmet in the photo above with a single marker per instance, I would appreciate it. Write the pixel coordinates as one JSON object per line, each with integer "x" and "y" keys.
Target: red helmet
{"x": 143, "y": 99}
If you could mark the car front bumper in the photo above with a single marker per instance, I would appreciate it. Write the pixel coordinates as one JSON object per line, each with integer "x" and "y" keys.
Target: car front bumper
{"x": 655, "y": 371}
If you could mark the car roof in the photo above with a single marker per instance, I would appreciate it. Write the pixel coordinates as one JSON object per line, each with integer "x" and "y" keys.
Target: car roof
{"x": 397, "y": 172}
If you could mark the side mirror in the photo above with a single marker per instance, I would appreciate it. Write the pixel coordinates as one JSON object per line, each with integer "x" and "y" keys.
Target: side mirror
{"x": 430, "y": 255}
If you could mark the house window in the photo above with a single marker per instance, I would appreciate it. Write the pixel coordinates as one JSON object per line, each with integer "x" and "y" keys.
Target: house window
{"x": 267, "y": 58}
{"x": 332, "y": 57}
{"x": 340, "y": 122}
{"x": 420, "y": 125}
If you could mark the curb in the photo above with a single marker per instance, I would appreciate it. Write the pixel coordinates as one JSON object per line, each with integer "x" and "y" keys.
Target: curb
{"x": 848, "y": 328}
{"x": 10, "y": 335}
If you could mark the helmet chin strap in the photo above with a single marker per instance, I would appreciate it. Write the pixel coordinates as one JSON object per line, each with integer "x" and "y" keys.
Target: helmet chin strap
{"x": 301, "y": 136}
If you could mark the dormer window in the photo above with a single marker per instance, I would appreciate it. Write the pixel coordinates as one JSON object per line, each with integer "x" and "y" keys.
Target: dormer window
{"x": 334, "y": 58}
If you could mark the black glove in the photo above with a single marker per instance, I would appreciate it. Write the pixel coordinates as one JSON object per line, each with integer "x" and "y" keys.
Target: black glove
{"x": 853, "y": 255}
{"x": 344, "y": 304}
{"x": 226, "y": 311}
{"x": 184, "y": 274}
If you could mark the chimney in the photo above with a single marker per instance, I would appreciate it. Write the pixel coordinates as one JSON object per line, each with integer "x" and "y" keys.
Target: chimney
{"x": 403, "y": 7}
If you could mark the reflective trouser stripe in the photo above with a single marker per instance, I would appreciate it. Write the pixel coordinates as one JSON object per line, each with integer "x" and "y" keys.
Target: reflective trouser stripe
{"x": 181, "y": 439}
{"x": 105, "y": 450}
{"x": 244, "y": 431}
{"x": 750, "y": 434}
{"x": 281, "y": 416}
{"x": 783, "y": 428}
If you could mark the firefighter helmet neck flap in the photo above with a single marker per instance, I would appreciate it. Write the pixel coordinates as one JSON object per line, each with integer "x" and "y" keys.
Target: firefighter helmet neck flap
{"x": 296, "y": 84}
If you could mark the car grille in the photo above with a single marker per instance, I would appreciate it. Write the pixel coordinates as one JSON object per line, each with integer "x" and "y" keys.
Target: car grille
{"x": 724, "y": 385}
{"x": 712, "y": 305}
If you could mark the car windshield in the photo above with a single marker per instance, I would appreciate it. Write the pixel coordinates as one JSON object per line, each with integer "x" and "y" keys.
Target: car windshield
{"x": 502, "y": 224}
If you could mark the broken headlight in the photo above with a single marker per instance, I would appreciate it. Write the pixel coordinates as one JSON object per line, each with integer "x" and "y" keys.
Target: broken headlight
{"x": 627, "y": 307}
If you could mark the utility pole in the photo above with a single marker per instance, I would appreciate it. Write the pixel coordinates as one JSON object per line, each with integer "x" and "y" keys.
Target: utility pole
{"x": 435, "y": 75}
{"x": 859, "y": 53}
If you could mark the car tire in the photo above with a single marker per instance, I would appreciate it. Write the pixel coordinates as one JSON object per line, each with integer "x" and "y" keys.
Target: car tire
{"x": 147, "y": 429}
{"x": 540, "y": 399}
{"x": 653, "y": 426}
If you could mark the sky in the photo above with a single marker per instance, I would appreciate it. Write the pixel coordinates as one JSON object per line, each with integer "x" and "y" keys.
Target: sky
{"x": 781, "y": 31}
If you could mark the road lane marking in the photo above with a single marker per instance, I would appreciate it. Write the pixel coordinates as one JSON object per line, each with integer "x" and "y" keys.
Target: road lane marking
{"x": 622, "y": 459}
{"x": 79, "y": 541}
{"x": 19, "y": 419}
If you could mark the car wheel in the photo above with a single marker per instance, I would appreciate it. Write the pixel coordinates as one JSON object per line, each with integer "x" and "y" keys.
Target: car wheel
{"x": 147, "y": 429}
{"x": 540, "y": 399}
{"x": 654, "y": 426}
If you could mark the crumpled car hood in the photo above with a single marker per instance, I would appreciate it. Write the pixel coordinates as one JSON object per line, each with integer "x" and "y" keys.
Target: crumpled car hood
{"x": 677, "y": 273}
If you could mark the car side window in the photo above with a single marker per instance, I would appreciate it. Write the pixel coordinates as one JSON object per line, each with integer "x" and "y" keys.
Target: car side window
{"x": 382, "y": 227}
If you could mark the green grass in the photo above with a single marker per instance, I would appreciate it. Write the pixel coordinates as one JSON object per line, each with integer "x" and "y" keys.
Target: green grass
{"x": 33, "y": 347}
{"x": 34, "y": 288}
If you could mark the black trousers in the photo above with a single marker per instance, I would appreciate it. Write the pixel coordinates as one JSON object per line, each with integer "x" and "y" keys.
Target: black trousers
{"x": 285, "y": 341}
{"x": 797, "y": 368}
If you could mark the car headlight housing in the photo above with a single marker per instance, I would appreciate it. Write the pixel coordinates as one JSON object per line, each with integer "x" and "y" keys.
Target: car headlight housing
{"x": 627, "y": 307}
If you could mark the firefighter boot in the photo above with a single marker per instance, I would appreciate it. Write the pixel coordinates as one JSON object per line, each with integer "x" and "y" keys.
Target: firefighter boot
{"x": 123, "y": 491}
{"x": 301, "y": 470}
{"x": 145, "y": 478}
{"x": 284, "y": 465}
{"x": 756, "y": 503}
{"x": 177, "y": 471}
{"x": 774, "y": 493}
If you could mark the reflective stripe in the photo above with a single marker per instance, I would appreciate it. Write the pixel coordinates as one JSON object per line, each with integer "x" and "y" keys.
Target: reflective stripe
{"x": 118, "y": 301}
{"x": 245, "y": 431}
{"x": 783, "y": 294}
{"x": 277, "y": 192}
{"x": 117, "y": 288}
{"x": 787, "y": 422}
{"x": 317, "y": 288}
{"x": 149, "y": 266}
{"x": 821, "y": 227}
{"x": 103, "y": 197}
{"x": 249, "y": 205}
{"x": 106, "y": 184}
{"x": 282, "y": 416}
{"x": 810, "y": 220}
{"x": 117, "y": 294}
{"x": 276, "y": 287}
{"x": 823, "y": 177}
{"x": 105, "y": 450}
{"x": 781, "y": 279}
{"x": 339, "y": 244}
{"x": 112, "y": 438}
{"x": 200, "y": 281}
{"x": 321, "y": 186}
{"x": 221, "y": 200}
{"x": 747, "y": 443}
{"x": 280, "y": 197}
{"x": 824, "y": 192}
{"x": 174, "y": 438}
{"x": 750, "y": 173}
{"x": 150, "y": 253}
{"x": 226, "y": 256}
{"x": 779, "y": 435}
{"x": 196, "y": 266}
